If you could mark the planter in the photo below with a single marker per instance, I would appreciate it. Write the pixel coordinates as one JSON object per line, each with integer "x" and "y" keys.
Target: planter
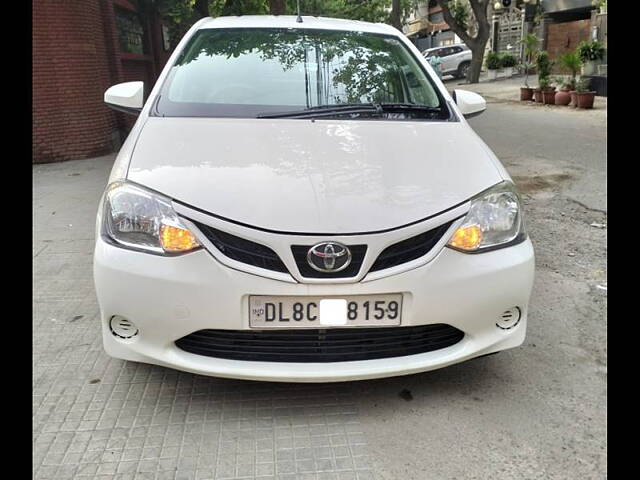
{"x": 549, "y": 96}
{"x": 589, "y": 68}
{"x": 526, "y": 94}
{"x": 508, "y": 72}
{"x": 574, "y": 99}
{"x": 537, "y": 95}
{"x": 585, "y": 100}
{"x": 563, "y": 97}
{"x": 493, "y": 74}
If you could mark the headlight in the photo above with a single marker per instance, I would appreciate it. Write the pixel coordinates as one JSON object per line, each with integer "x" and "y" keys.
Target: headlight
{"x": 494, "y": 220}
{"x": 139, "y": 219}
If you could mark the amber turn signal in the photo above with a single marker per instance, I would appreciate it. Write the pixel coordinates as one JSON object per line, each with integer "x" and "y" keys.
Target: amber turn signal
{"x": 466, "y": 238}
{"x": 175, "y": 239}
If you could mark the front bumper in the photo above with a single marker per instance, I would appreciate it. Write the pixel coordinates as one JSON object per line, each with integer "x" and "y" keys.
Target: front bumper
{"x": 170, "y": 297}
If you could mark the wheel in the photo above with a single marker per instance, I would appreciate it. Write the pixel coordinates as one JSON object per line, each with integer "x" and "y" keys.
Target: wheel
{"x": 463, "y": 68}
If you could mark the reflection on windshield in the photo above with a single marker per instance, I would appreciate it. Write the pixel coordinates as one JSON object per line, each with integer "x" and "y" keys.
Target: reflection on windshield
{"x": 238, "y": 72}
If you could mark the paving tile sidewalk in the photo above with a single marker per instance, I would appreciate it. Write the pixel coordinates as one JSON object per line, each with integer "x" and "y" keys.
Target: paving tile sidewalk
{"x": 95, "y": 417}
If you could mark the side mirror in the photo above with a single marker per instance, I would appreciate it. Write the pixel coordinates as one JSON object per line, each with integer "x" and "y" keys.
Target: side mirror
{"x": 469, "y": 103}
{"x": 126, "y": 97}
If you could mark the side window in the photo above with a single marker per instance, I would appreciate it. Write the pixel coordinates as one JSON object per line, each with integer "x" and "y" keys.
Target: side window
{"x": 445, "y": 52}
{"x": 457, "y": 49}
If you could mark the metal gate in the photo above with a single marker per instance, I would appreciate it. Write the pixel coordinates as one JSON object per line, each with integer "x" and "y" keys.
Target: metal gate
{"x": 509, "y": 31}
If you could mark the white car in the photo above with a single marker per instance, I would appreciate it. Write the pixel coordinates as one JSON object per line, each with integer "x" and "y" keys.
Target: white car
{"x": 456, "y": 59}
{"x": 306, "y": 202}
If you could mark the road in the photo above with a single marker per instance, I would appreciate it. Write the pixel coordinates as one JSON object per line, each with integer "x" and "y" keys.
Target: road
{"x": 535, "y": 412}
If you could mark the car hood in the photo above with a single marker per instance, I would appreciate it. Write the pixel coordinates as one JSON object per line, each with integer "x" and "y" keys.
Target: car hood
{"x": 322, "y": 176}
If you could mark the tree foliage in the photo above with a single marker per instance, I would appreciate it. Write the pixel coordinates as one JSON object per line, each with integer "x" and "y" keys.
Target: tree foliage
{"x": 184, "y": 13}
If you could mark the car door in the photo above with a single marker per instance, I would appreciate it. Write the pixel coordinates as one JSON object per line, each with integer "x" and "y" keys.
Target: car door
{"x": 457, "y": 54}
{"x": 447, "y": 61}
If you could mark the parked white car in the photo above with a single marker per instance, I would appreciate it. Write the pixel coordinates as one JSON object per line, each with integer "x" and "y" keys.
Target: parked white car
{"x": 306, "y": 202}
{"x": 456, "y": 59}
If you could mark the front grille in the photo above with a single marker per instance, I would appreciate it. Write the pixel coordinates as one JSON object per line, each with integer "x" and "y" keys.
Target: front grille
{"x": 320, "y": 345}
{"x": 300, "y": 256}
{"x": 409, "y": 249}
{"x": 242, "y": 250}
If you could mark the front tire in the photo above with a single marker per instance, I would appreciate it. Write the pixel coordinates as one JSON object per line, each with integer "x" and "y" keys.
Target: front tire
{"x": 463, "y": 69}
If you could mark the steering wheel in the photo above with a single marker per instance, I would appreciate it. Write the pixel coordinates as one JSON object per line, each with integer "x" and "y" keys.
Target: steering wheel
{"x": 233, "y": 91}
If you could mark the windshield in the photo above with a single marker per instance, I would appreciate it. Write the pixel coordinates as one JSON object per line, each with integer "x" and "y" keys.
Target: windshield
{"x": 252, "y": 72}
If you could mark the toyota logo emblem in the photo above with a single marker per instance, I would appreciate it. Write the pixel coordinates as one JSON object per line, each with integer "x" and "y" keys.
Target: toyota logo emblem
{"x": 329, "y": 257}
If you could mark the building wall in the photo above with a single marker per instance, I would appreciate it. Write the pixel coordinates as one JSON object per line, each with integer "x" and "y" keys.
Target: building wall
{"x": 70, "y": 72}
{"x": 565, "y": 36}
{"x": 76, "y": 55}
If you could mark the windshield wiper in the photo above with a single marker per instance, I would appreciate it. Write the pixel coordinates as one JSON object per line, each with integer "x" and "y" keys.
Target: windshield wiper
{"x": 322, "y": 110}
{"x": 403, "y": 107}
{"x": 353, "y": 108}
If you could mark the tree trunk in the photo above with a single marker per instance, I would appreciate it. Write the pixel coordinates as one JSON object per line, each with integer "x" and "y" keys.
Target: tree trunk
{"x": 202, "y": 7}
{"x": 477, "y": 55}
{"x": 476, "y": 44}
{"x": 277, "y": 7}
{"x": 394, "y": 16}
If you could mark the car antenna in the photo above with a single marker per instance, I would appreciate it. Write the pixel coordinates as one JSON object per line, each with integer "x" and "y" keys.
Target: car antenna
{"x": 299, "y": 19}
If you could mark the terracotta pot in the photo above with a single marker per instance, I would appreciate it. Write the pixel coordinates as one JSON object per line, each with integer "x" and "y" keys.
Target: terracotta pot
{"x": 563, "y": 97}
{"x": 549, "y": 96}
{"x": 537, "y": 94}
{"x": 526, "y": 94}
{"x": 585, "y": 100}
{"x": 574, "y": 99}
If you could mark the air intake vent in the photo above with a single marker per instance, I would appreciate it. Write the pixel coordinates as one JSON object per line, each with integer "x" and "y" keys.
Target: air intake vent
{"x": 410, "y": 249}
{"x": 242, "y": 250}
{"x": 320, "y": 345}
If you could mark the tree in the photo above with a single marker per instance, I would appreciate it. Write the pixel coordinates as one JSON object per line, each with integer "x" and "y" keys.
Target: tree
{"x": 394, "y": 17}
{"x": 184, "y": 13}
{"x": 277, "y": 7}
{"x": 202, "y": 7}
{"x": 456, "y": 16}
{"x": 365, "y": 10}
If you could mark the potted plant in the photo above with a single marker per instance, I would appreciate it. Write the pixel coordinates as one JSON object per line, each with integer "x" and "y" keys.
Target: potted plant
{"x": 584, "y": 95}
{"x": 508, "y": 62}
{"x": 590, "y": 53}
{"x": 493, "y": 64}
{"x": 530, "y": 43}
{"x": 570, "y": 62}
{"x": 545, "y": 91}
{"x": 537, "y": 94}
{"x": 563, "y": 95}
{"x": 548, "y": 91}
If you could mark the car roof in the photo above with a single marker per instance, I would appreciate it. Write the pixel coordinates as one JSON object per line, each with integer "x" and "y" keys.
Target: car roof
{"x": 446, "y": 46}
{"x": 289, "y": 21}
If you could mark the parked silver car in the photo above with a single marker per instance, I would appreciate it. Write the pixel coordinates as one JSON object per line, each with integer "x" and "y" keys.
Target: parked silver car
{"x": 456, "y": 59}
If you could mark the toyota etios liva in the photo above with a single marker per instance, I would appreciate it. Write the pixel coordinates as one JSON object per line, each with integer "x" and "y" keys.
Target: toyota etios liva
{"x": 305, "y": 201}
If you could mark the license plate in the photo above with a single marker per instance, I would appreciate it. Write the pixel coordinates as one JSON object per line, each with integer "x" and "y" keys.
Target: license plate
{"x": 318, "y": 312}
